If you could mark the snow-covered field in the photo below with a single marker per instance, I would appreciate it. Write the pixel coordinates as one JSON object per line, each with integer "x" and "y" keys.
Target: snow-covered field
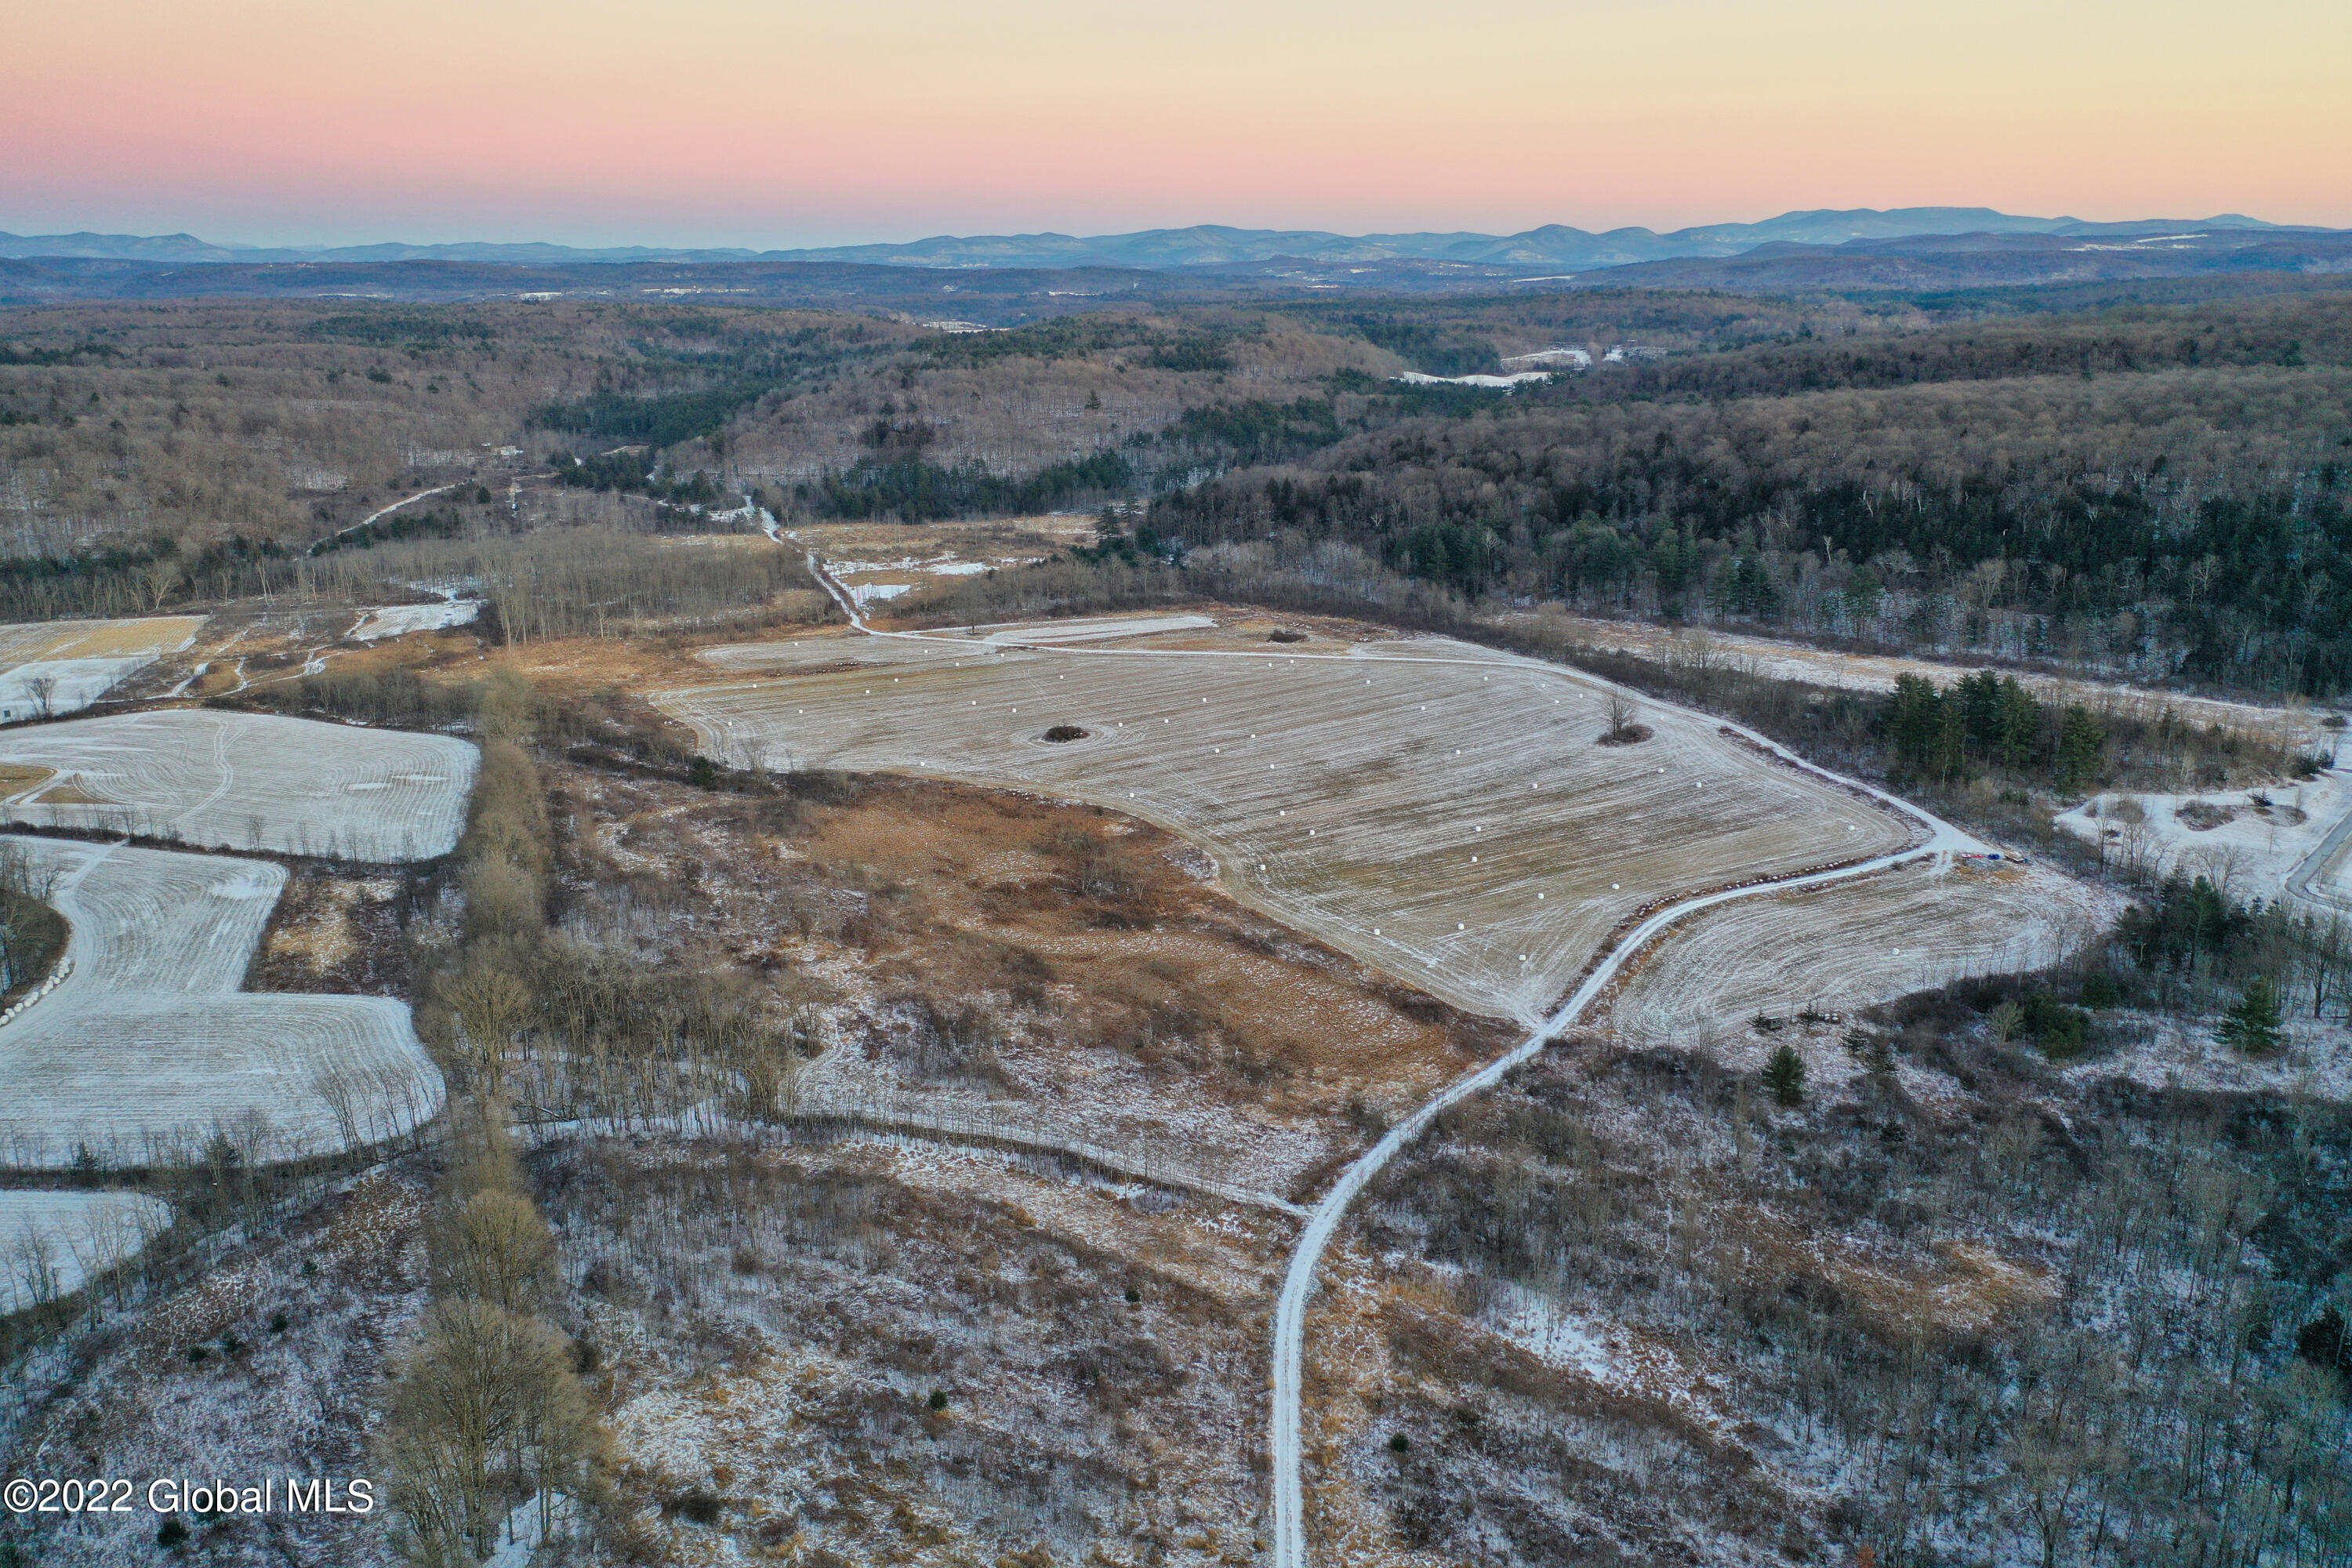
{"x": 1438, "y": 810}
{"x": 246, "y": 781}
{"x": 398, "y": 620}
{"x": 52, "y": 1241}
{"x": 2181, "y": 1054}
{"x": 1827, "y": 950}
{"x": 1491, "y": 382}
{"x": 874, "y": 582}
{"x": 1092, "y": 628}
{"x": 147, "y": 1047}
{"x": 80, "y": 661}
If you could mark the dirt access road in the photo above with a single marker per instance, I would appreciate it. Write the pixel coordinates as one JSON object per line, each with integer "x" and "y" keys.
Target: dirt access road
{"x": 1934, "y": 840}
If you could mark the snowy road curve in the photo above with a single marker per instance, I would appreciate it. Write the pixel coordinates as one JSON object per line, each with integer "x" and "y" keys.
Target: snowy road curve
{"x": 1938, "y": 839}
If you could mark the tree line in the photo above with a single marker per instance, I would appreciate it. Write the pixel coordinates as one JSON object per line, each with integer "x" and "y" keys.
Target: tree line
{"x": 487, "y": 1417}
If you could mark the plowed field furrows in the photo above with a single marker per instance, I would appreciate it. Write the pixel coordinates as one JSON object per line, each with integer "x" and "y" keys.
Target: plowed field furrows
{"x": 1833, "y": 949}
{"x": 80, "y": 661}
{"x": 147, "y": 1047}
{"x": 249, "y": 781}
{"x": 1441, "y": 811}
{"x": 51, "y": 1241}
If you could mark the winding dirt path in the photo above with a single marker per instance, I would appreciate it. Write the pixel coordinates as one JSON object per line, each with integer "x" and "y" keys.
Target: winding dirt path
{"x": 1938, "y": 839}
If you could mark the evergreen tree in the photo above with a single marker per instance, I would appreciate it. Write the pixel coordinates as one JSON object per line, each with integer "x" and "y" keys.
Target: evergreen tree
{"x": 2325, "y": 1341}
{"x": 1784, "y": 1076}
{"x": 2254, "y": 1026}
{"x": 1915, "y": 721}
{"x": 2082, "y": 740}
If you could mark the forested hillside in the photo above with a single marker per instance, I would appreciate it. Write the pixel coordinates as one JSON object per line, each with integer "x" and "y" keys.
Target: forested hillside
{"x": 2155, "y": 492}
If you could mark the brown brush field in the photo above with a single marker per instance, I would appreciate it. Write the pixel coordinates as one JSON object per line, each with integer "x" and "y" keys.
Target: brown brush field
{"x": 1046, "y": 973}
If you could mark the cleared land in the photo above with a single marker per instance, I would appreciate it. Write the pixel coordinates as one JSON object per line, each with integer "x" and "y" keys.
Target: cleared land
{"x": 147, "y": 1048}
{"x": 1821, "y": 952}
{"x": 399, "y": 620}
{"x": 1435, "y": 809}
{"x": 52, "y": 1241}
{"x": 246, "y": 780}
{"x": 2254, "y": 843}
{"x": 80, "y": 661}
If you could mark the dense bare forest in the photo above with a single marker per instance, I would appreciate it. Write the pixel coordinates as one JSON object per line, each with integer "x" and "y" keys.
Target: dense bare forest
{"x": 2159, "y": 495}
{"x": 2044, "y": 1322}
{"x": 2152, "y": 490}
{"x": 842, "y": 1169}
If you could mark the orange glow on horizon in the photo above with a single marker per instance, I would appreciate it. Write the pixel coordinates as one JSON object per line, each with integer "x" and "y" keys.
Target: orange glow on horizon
{"x": 714, "y": 122}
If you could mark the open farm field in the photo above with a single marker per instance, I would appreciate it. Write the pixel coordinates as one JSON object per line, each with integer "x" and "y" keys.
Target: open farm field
{"x": 1803, "y": 957}
{"x": 244, "y": 781}
{"x": 1439, "y": 811}
{"x": 52, "y": 1241}
{"x": 878, "y": 563}
{"x": 147, "y": 1046}
{"x": 994, "y": 541}
{"x": 48, "y": 668}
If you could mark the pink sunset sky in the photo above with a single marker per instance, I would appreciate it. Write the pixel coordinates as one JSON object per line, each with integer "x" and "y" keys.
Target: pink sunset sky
{"x": 724, "y": 122}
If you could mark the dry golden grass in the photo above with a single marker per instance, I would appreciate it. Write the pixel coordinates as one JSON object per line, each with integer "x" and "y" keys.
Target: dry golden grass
{"x": 17, "y": 780}
{"x": 24, "y": 643}
{"x": 1124, "y": 1002}
{"x": 1963, "y": 1292}
{"x": 1000, "y": 868}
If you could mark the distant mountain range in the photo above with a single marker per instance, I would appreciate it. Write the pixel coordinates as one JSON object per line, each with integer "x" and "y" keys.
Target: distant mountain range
{"x": 1215, "y": 246}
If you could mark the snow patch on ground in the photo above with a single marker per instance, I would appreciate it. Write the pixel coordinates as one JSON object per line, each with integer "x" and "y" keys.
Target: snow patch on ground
{"x": 52, "y": 1241}
{"x": 1095, "y": 628}
{"x": 1502, "y": 383}
{"x": 1545, "y": 1329}
{"x": 80, "y": 661}
{"x": 2252, "y": 853}
{"x": 2178, "y": 1053}
{"x": 398, "y": 620}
